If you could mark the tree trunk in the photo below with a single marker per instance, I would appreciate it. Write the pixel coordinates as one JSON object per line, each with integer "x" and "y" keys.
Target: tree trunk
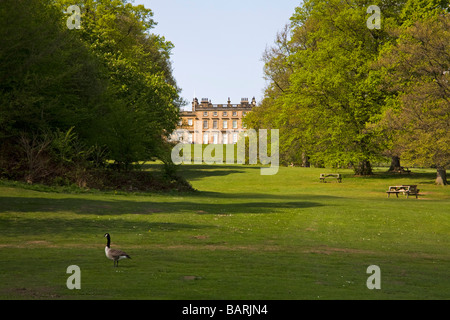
{"x": 441, "y": 176}
{"x": 364, "y": 168}
{"x": 395, "y": 164}
{"x": 305, "y": 160}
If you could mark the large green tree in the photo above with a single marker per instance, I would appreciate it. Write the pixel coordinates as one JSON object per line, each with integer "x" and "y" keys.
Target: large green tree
{"x": 49, "y": 81}
{"x": 142, "y": 96}
{"x": 417, "y": 68}
{"x": 48, "y": 78}
{"x": 324, "y": 94}
{"x": 330, "y": 95}
{"x": 107, "y": 85}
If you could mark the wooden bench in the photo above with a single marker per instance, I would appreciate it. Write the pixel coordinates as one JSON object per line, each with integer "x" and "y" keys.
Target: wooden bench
{"x": 337, "y": 176}
{"x": 405, "y": 189}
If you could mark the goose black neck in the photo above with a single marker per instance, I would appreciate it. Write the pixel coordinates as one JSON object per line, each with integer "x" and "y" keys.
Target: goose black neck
{"x": 108, "y": 240}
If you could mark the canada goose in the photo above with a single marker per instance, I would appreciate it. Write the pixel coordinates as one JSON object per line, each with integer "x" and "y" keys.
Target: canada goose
{"x": 114, "y": 254}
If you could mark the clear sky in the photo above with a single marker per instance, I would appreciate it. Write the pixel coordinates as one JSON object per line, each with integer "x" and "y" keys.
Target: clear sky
{"x": 219, "y": 43}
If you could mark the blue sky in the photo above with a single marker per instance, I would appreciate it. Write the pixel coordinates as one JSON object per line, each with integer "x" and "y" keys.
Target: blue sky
{"x": 219, "y": 44}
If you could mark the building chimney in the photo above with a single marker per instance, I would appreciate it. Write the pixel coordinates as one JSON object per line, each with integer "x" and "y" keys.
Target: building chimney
{"x": 205, "y": 102}
{"x": 194, "y": 104}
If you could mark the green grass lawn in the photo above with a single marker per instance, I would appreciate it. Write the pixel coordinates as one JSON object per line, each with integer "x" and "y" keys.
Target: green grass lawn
{"x": 241, "y": 236}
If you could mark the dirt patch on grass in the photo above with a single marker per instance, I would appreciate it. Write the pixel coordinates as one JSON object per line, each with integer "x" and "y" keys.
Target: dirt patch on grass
{"x": 330, "y": 250}
{"x": 200, "y": 237}
{"x": 222, "y": 247}
{"x": 47, "y": 244}
{"x": 30, "y": 293}
{"x": 28, "y": 244}
{"x": 38, "y": 242}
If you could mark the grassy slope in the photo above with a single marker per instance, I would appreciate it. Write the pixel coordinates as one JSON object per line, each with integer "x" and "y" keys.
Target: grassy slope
{"x": 242, "y": 236}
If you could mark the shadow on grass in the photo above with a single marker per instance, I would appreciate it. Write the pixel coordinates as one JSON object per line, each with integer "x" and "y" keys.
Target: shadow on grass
{"x": 411, "y": 178}
{"x": 198, "y": 171}
{"x": 297, "y": 197}
{"x": 117, "y": 207}
{"x": 75, "y": 227}
{"x": 194, "y": 172}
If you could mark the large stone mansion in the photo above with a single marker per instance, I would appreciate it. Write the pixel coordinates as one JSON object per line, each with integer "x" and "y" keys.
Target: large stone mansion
{"x": 212, "y": 123}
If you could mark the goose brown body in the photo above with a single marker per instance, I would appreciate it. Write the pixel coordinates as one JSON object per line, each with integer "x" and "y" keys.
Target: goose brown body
{"x": 114, "y": 254}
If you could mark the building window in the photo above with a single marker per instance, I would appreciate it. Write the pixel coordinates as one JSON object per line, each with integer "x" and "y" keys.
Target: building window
{"x": 215, "y": 113}
{"x": 225, "y": 124}
{"x": 215, "y": 138}
{"x": 205, "y": 124}
{"x": 234, "y": 113}
{"x": 189, "y": 137}
{"x": 225, "y": 138}
{"x": 180, "y": 122}
{"x": 205, "y": 114}
{"x": 235, "y": 137}
{"x": 224, "y": 114}
{"x": 190, "y": 122}
{"x": 205, "y": 138}
{"x": 234, "y": 124}
{"x": 214, "y": 124}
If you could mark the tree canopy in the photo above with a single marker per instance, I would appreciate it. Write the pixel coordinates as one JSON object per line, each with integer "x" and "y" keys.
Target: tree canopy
{"x": 417, "y": 68}
{"x": 107, "y": 85}
{"x": 327, "y": 90}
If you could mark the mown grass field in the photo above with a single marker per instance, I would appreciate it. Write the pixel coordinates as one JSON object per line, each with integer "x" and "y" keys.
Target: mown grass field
{"x": 241, "y": 236}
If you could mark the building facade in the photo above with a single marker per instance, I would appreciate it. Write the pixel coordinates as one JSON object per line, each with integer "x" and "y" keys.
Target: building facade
{"x": 209, "y": 123}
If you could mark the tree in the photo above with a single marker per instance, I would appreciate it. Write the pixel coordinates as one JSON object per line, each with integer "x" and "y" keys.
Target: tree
{"x": 49, "y": 81}
{"x": 48, "y": 78}
{"x": 277, "y": 70}
{"x": 142, "y": 99}
{"x": 418, "y": 67}
{"x": 106, "y": 88}
{"x": 330, "y": 95}
{"x": 332, "y": 104}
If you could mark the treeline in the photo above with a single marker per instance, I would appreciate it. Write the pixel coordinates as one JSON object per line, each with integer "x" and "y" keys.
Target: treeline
{"x": 345, "y": 93}
{"x": 77, "y": 102}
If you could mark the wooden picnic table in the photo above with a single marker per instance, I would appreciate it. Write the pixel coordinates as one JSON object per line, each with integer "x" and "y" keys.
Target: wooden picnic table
{"x": 333, "y": 175}
{"x": 405, "y": 189}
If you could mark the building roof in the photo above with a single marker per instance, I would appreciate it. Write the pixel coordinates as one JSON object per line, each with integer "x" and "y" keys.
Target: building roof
{"x": 206, "y": 105}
